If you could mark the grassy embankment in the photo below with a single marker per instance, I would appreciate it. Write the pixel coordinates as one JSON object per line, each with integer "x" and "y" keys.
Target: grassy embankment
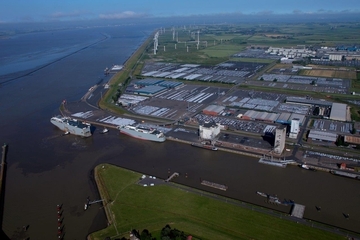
{"x": 129, "y": 205}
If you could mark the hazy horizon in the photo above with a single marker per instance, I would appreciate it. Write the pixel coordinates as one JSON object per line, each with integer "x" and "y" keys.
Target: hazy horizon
{"x": 80, "y": 10}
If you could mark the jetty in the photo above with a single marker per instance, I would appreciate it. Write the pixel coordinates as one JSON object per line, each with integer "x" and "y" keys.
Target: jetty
{"x": 345, "y": 174}
{"x": 214, "y": 185}
{"x": 297, "y": 210}
{"x": 276, "y": 163}
{"x": 175, "y": 174}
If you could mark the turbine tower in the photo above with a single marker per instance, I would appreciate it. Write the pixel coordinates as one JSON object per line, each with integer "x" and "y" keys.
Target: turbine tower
{"x": 198, "y": 38}
{"x": 156, "y": 42}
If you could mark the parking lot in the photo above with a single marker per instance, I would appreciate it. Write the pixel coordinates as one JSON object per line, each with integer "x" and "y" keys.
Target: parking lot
{"x": 237, "y": 124}
{"x": 229, "y": 72}
{"x": 180, "y": 102}
{"x": 318, "y": 84}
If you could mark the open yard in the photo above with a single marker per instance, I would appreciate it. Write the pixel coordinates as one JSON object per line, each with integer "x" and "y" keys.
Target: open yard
{"x": 330, "y": 73}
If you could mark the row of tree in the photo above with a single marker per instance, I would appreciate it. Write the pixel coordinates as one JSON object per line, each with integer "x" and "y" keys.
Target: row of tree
{"x": 166, "y": 234}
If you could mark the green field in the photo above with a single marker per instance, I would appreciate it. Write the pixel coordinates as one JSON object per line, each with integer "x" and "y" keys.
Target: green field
{"x": 132, "y": 206}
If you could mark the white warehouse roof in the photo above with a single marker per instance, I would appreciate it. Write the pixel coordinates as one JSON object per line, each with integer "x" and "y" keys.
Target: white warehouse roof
{"x": 323, "y": 136}
{"x": 338, "y": 112}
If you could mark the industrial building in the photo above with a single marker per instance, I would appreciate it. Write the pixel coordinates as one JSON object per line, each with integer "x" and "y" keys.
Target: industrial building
{"x": 338, "y": 112}
{"x": 260, "y": 116}
{"x": 308, "y": 101}
{"x": 352, "y": 140}
{"x": 147, "y": 90}
{"x": 213, "y": 110}
{"x": 300, "y": 117}
{"x": 280, "y": 136}
{"x": 209, "y": 130}
{"x": 322, "y": 136}
{"x": 295, "y": 128}
{"x": 284, "y": 118}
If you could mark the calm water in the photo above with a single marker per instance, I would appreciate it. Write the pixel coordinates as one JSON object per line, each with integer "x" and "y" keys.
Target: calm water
{"x": 46, "y": 169}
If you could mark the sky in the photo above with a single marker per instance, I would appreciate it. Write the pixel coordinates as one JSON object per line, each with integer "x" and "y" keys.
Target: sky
{"x": 64, "y": 10}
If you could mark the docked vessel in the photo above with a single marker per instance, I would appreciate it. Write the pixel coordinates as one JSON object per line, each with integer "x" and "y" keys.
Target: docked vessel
{"x": 144, "y": 133}
{"x": 307, "y": 167}
{"x": 261, "y": 194}
{"x": 345, "y": 174}
{"x": 200, "y": 145}
{"x": 304, "y": 166}
{"x": 72, "y": 126}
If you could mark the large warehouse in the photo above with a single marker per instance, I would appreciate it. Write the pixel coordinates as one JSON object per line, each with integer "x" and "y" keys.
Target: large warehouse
{"x": 213, "y": 110}
{"x": 322, "y": 136}
{"x": 338, "y": 112}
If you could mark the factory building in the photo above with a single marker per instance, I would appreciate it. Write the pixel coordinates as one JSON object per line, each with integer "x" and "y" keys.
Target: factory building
{"x": 213, "y": 110}
{"x": 284, "y": 118}
{"x": 295, "y": 128}
{"x": 300, "y": 117}
{"x": 335, "y": 57}
{"x": 280, "y": 136}
{"x": 352, "y": 140}
{"x": 308, "y": 101}
{"x": 338, "y": 112}
{"x": 209, "y": 130}
{"x": 260, "y": 116}
{"x": 147, "y": 90}
{"x": 322, "y": 136}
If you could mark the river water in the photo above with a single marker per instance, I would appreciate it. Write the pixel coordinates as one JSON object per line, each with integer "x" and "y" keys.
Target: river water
{"x": 39, "y": 70}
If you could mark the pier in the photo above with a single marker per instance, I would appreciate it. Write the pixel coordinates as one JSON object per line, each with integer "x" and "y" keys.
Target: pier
{"x": 297, "y": 210}
{"x": 2, "y": 188}
{"x": 214, "y": 185}
{"x": 175, "y": 174}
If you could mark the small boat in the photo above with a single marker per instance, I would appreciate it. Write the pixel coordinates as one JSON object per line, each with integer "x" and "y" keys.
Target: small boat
{"x": 261, "y": 194}
{"x": 66, "y": 133}
{"x": 86, "y": 206}
{"x": 305, "y": 166}
{"x": 105, "y": 130}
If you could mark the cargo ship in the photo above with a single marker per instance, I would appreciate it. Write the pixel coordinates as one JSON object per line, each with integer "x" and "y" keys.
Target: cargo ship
{"x": 200, "y": 145}
{"x": 144, "y": 133}
{"x": 72, "y": 126}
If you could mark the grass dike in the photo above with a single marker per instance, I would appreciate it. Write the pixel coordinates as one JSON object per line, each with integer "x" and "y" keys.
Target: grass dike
{"x": 130, "y": 205}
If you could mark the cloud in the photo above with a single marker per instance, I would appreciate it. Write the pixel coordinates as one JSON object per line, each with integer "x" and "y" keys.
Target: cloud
{"x": 67, "y": 15}
{"x": 122, "y": 15}
{"x": 269, "y": 12}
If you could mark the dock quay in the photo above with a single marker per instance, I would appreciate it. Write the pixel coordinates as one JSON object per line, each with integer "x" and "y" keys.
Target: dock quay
{"x": 297, "y": 210}
{"x": 175, "y": 174}
{"x": 276, "y": 163}
{"x": 214, "y": 185}
{"x": 345, "y": 174}
{"x": 3, "y": 169}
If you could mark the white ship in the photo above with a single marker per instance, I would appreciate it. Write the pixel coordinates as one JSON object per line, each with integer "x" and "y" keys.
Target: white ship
{"x": 144, "y": 133}
{"x": 72, "y": 126}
